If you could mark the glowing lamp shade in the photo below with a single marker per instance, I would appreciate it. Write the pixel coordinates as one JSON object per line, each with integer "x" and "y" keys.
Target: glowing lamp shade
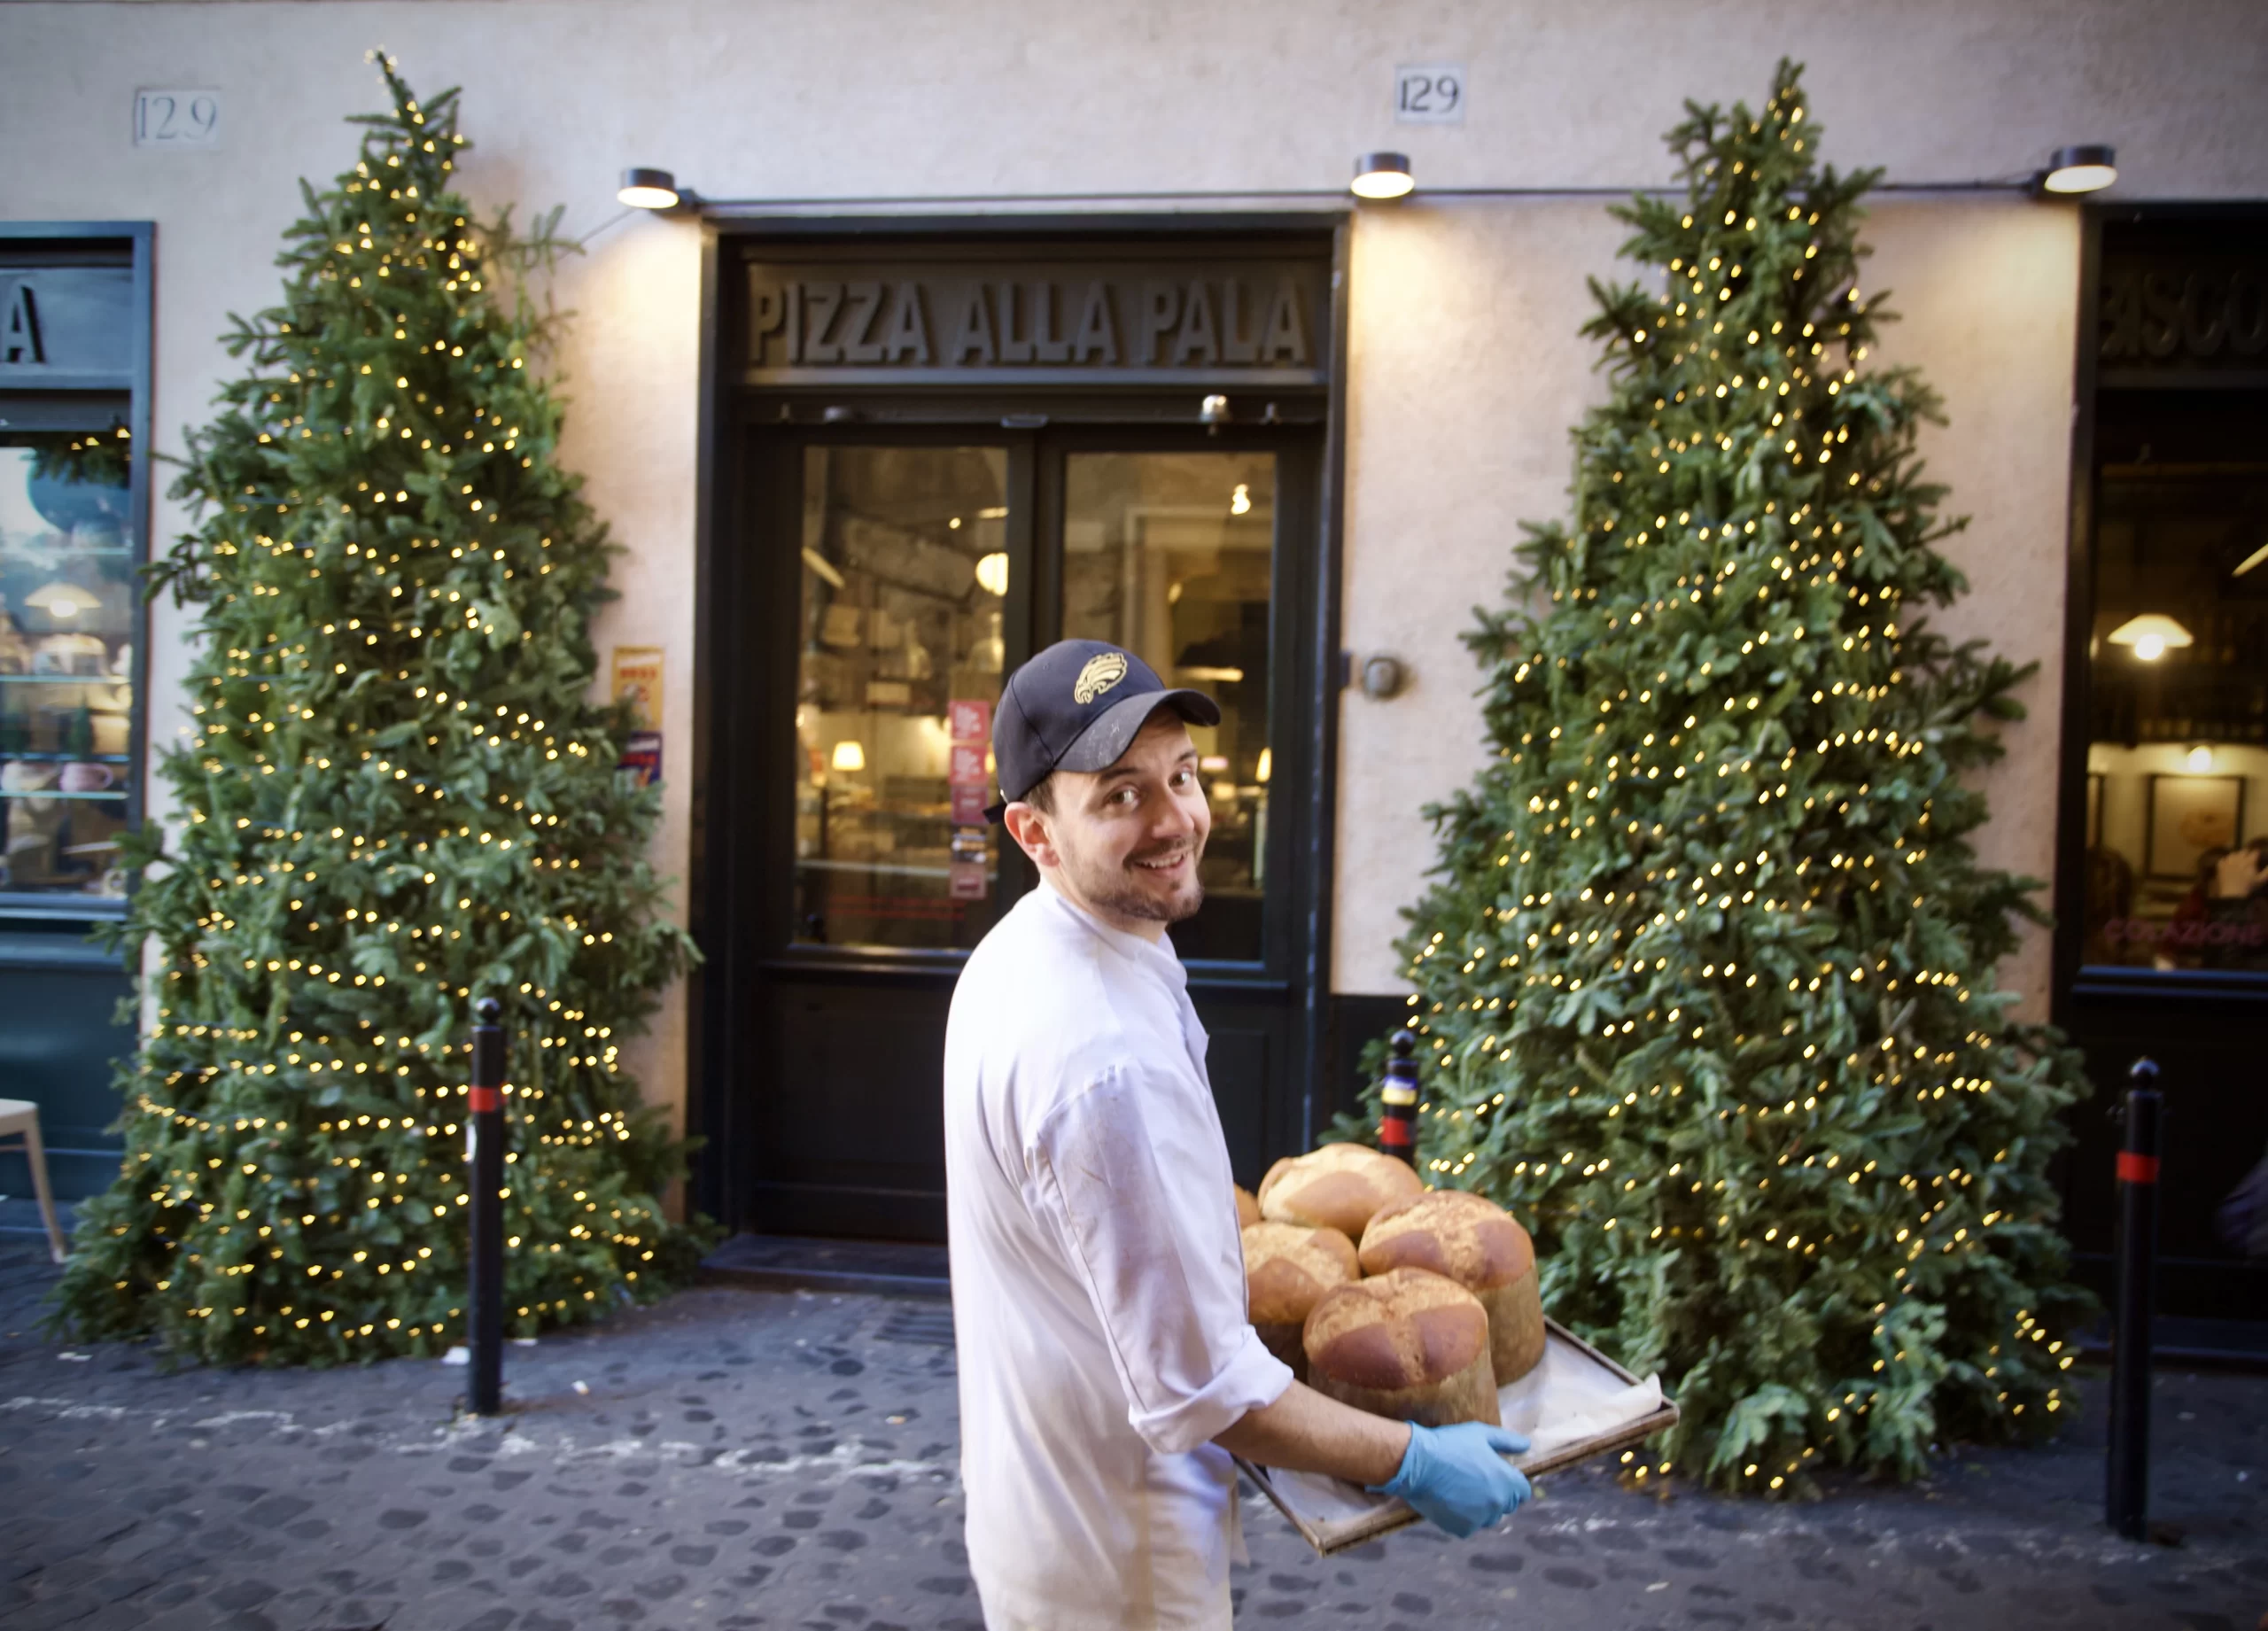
{"x": 650, "y": 189}
{"x": 2152, "y": 635}
{"x": 62, "y": 599}
{"x": 2086, "y": 168}
{"x": 1383, "y": 176}
{"x": 992, "y": 572}
{"x": 848, "y": 755}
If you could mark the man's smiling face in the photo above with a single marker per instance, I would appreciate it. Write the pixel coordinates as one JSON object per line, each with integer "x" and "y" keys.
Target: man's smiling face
{"x": 1124, "y": 843}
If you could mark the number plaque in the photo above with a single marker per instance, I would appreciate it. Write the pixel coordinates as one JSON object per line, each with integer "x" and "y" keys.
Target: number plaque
{"x": 1429, "y": 93}
{"x": 176, "y": 119}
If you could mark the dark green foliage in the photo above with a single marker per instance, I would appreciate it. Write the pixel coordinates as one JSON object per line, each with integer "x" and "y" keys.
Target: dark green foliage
{"x": 394, "y": 798}
{"x": 1706, "y": 976}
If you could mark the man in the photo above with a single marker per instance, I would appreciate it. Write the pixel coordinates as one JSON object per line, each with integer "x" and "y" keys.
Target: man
{"x": 1108, "y": 1369}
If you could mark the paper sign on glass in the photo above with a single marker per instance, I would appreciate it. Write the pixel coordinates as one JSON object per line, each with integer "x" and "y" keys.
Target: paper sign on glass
{"x": 970, "y": 718}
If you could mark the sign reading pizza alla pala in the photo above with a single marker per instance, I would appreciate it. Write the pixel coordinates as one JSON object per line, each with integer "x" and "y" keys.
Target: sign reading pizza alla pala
{"x": 1258, "y": 322}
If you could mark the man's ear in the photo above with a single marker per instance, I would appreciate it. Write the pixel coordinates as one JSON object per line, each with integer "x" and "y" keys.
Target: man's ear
{"x": 1028, "y": 826}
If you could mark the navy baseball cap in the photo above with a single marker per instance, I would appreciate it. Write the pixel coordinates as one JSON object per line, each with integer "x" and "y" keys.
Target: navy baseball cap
{"x": 1078, "y": 705}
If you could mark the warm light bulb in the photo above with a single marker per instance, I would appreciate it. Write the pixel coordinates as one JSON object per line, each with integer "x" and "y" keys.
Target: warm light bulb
{"x": 2201, "y": 756}
{"x": 1266, "y": 764}
{"x": 2149, "y": 647}
{"x": 1241, "y": 500}
{"x": 992, "y": 572}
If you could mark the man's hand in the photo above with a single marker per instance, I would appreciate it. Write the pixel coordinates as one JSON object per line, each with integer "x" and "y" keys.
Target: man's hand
{"x": 1458, "y": 1476}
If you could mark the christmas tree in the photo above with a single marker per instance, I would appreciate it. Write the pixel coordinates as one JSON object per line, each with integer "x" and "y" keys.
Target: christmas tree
{"x": 1706, "y": 978}
{"x": 394, "y": 799}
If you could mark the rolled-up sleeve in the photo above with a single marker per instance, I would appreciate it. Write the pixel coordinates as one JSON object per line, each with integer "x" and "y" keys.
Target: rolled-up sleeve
{"x": 1158, "y": 1257}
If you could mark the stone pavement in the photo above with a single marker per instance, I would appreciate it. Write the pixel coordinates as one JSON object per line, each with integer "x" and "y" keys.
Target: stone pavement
{"x": 736, "y": 1458}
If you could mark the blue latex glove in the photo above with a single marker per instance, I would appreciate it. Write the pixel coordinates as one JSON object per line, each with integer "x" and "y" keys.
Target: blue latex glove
{"x": 1458, "y": 1477}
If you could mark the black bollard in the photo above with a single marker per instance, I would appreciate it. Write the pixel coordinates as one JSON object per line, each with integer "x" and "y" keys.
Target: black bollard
{"x": 1398, "y": 1100}
{"x": 2126, "y": 1506}
{"x": 484, "y": 1164}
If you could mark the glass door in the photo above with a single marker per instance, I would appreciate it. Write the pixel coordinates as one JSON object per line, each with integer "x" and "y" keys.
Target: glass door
{"x": 901, "y": 648}
{"x": 1171, "y": 555}
{"x": 890, "y": 580}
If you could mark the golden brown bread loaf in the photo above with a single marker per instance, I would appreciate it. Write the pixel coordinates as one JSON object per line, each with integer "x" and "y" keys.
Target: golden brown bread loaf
{"x": 1338, "y": 1186}
{"x": 1409, "y": 1344}
{"x": 1288, "y": 1267}
{"x": 1476, "y": 1243}
{"x": 1247, "y": 1207}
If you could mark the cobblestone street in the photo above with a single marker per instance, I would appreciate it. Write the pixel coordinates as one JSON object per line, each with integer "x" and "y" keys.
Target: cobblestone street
{"x": 739, "y": 1458}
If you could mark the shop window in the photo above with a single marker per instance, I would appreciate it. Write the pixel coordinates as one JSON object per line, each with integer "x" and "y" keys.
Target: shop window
{"x": 68, "y": 608}
{"x": 2177, "y": 772}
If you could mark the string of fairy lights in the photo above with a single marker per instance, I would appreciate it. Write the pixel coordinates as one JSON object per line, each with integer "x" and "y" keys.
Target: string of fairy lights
{"x": 360, "y": 650}
{"x": 1686, "y": 937}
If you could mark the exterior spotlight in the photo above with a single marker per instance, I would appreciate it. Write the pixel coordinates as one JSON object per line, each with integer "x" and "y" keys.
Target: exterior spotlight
{"x": 1383, "y": 176}
{"x": 2152, "y": 635}
{"x": 650, "y": 189}
{"x": 2089, "y": 167}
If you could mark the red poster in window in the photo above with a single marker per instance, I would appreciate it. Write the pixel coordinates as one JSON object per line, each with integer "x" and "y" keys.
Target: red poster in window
{"x": 967, "y": 766}
{"x": 970, "y": 718}
{"x": 968, "y": 805}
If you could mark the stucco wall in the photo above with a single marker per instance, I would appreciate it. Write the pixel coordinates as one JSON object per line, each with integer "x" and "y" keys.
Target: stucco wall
{"x": 1465, "y": 370}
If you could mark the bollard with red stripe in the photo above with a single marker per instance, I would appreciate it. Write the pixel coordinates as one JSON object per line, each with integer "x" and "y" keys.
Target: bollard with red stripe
{"x": 1398, "y": 1100}
{"x": 484, "y": 1172}
{"x": 2126, "y": 1502}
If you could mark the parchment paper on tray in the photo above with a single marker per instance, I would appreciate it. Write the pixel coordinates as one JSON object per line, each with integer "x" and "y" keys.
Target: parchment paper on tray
{"x": 1576, "y": 1404}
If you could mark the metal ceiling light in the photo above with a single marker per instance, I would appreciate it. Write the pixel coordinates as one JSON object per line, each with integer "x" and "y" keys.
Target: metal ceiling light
{"x": 2152, "y": 635}
{"x": 2088, "y": 167}
{"x": 1383, "y": 176}
{"x": 650, "y": 189}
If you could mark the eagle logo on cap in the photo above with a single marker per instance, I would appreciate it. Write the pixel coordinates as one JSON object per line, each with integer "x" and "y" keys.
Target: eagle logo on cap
{"x": 1103, "y": 671}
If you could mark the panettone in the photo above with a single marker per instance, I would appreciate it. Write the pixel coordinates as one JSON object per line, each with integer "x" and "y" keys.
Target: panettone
{"x": 1338, "y": 1186}
{"x": 1409, "y": 1344}
{"x": 1287, "y": 1268}
{"x": 1474, "y": 1242}
{"x": 1247, "y": 1207}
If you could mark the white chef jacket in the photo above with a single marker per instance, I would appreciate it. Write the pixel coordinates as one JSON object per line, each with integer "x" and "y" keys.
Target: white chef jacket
{"x": 1098, "y": 1290}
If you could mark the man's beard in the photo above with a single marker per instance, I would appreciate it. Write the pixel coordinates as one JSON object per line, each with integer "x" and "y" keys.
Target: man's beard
{"x": 1117, "y": 893}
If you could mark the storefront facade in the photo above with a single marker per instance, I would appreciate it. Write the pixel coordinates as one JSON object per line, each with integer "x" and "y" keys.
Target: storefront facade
{"x": 993, "y": 277}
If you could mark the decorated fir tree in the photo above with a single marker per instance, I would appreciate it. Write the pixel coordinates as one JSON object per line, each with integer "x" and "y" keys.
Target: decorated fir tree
{"x": 1706, "y": 979}
{"x": 396, "y": 799}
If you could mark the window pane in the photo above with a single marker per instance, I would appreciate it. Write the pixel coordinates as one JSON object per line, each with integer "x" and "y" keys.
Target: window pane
{"x": 68, "y": 604}
{"x": 905, "y": 568}
{"x": 1171, "y": 555}
{"x": 2177, "y": 811}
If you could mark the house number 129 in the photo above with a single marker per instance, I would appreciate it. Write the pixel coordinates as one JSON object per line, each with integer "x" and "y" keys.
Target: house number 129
{"x": 1429, "y": 93}
{"x": 176, "y": 117}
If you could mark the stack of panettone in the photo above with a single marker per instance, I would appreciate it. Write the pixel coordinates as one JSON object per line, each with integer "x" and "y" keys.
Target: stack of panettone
{"x": 1408, "y": 1302}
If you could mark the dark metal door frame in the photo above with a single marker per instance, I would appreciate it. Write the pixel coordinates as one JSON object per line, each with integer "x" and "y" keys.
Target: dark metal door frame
{"x": 728, "y": 873}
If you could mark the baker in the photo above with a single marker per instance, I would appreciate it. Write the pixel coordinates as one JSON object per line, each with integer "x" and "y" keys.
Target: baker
{"x": 1107, "y": 1369}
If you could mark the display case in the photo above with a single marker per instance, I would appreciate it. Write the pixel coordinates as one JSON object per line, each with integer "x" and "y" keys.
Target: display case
{"x": 69, "y": 612}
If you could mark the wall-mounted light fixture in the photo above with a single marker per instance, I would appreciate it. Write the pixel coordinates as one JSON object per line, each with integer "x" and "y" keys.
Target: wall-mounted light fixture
{"x": 650, "y": 190}
{"x": 2152, "y": 635}
{"x": 2088, "y": 167}
{"x": 2201, "y": 760}
{"x": 1383, "y": 176}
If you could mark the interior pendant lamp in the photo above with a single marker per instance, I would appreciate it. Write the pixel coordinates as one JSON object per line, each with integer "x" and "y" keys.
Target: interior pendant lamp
{"x": 2151, "y": 635}
{"x": 1383, "y": 176}
{"x": 2087, "y": 167}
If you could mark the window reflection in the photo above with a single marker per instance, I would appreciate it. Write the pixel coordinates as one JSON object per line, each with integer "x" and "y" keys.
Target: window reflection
{"x": 1171, "y": 555}
{"x": 904, "y": 565}
{"x": 67, "y": 660}
{"x": 2177, "y": 799}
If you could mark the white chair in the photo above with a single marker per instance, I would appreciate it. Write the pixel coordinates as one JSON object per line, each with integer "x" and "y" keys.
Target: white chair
{"x": 19, "y": 1117}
